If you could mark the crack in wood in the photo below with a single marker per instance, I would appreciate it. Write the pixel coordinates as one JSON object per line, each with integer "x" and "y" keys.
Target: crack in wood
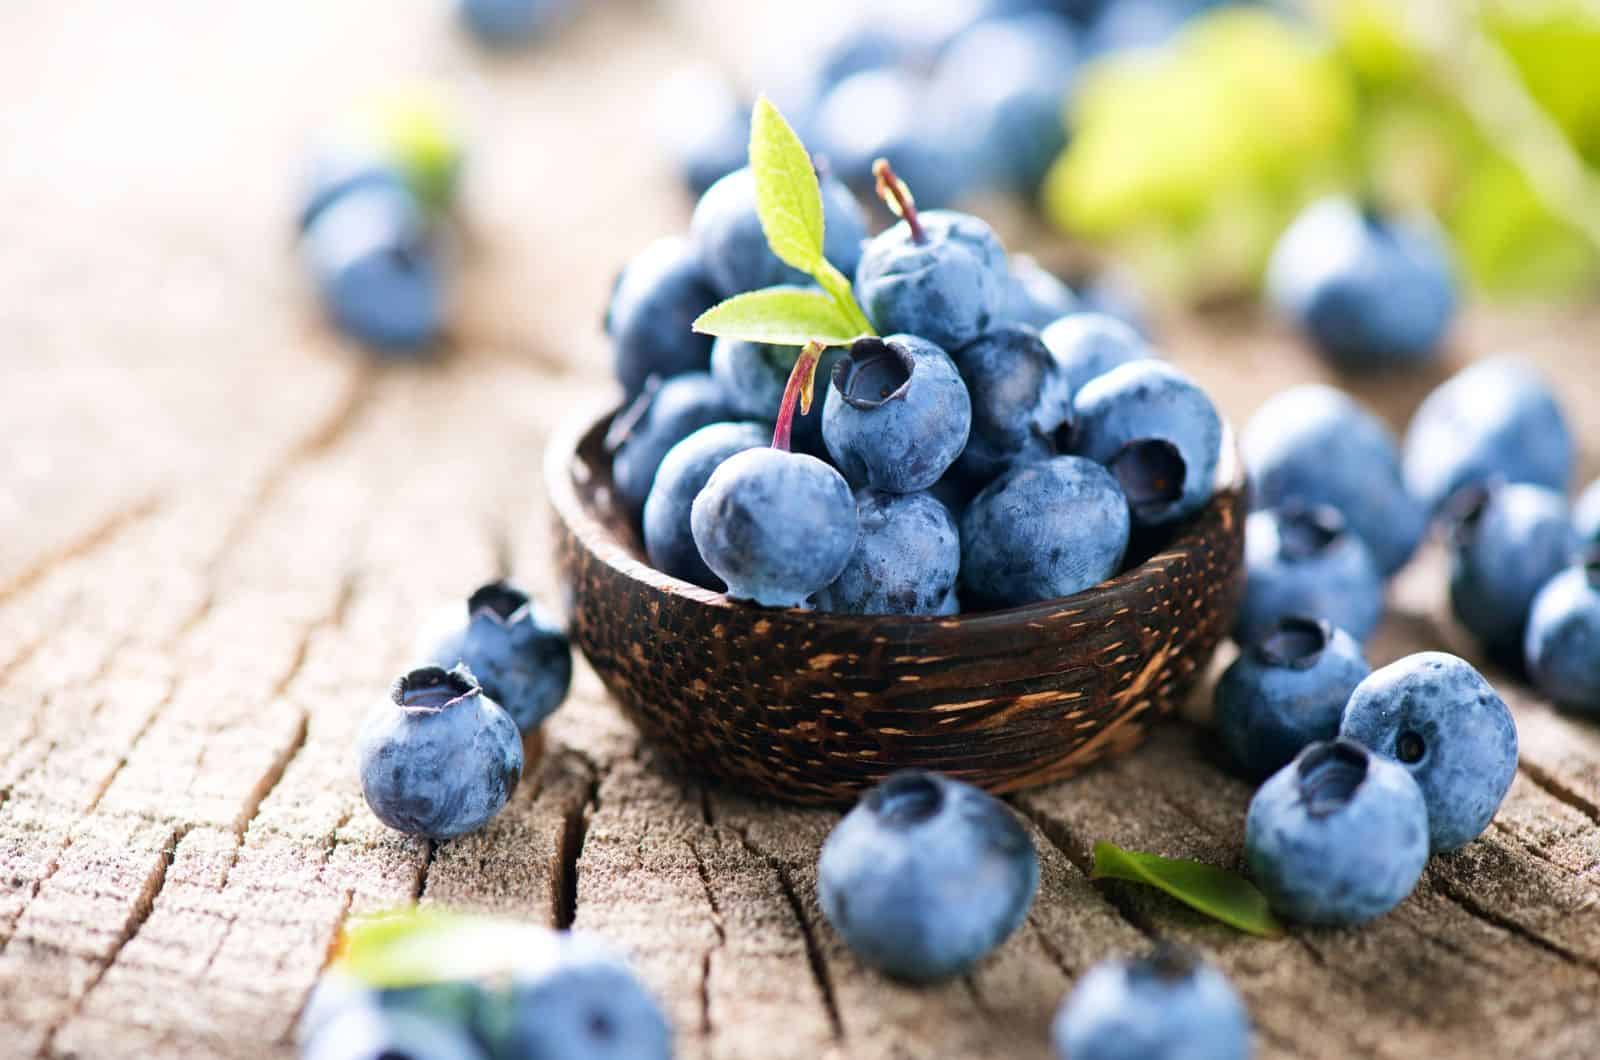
{"x": 97, "y": 537}
{"x": 814, "y": 958}
{"x": 1547, "y": 783}
{"x": 1489, "y": 916}
{"x": 716, "y": 925}
{"x": 574, "y": 832}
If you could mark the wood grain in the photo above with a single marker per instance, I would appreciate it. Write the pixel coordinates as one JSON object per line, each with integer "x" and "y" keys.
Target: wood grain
{"x": 236, "y": 525}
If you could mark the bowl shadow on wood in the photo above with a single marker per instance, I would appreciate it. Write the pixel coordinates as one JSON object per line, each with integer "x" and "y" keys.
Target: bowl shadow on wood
{"x": 815, "y": 708}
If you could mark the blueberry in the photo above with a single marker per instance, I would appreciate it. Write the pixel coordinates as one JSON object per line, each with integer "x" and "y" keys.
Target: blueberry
{"x": 897, "y": 414}
{"x": 775, "y": 526}
{"x": 1586, "y": 515}
{"x": 702, "y": 124}
{"x": 1128, "y": 25}
{"x": 1370, "y": 291}
{"x": 1088, "y": 345}
{"x": 1303, "y": 560}
{"x": 660, "y": 418}
{"x": 1158, "y": 433}
{"x": 369, "y": 253}
{"x": 1437, "y": 716}
{"x": 734, "y": 247}
{"x": 1506, "y": 541}
{"x": 385, "y": 1034}
{"x": 683, "y": 474}
{"x": 1042, "y": 531}
{"x": 905, "y": 560}
{"x": 1285, "y": 691}
{"x": 1003, "y": 85}
{"x": 883, "y": 114}
{"x": 941, "y": 275}
{"x": 753, "y": 375}
{"x": 1170, "y": 1005}
{"x": 1034, "y": 296}
{"x": 438, "y": 757}
{"x": 517, "y": 651}
{"x": 654, "y": 305}
{"x": 1496, "y": 418}
{"x": 579, "y": 1003}
{"x": 1314, "y": 444}
{"x": 1338, "y": 836}
{"x": 925, "y": 876}
{"x": 1020, "y": 396}
{"x": 509, "y": 23}
{"x": 1562, "y": 647}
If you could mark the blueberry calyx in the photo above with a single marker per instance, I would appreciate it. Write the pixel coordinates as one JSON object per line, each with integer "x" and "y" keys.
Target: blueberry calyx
{"x": 1330, "y": 774}
{"x": 873, "y": 373}
{"x": 1295, "y": 643}
{"x": 499, "y": 601}
{"x": 894, "y": 192}
{"x": 1305, "y": 531}
{"x": 906, "y": 799}
{"x": 433, "y": 689}
{"x": 1150, "y": 472}
{"x": 1590, "y": 561}
{"x": 1168, "y": 962}
{"x": 1409, "y": 747}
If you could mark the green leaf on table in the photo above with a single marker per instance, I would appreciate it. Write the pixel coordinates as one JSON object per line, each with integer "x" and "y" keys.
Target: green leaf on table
{"x": 788, "y": 196}
{"x": 1218, "y": 893}
{"x": 781, "y": 316}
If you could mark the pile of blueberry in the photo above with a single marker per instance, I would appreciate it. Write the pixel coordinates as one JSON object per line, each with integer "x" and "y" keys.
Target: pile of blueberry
{"x": 371, "y": 221}
{"x": 1341, "y": 507}
{"x": 431, "y": 985}
{"x": 960, "y": 96}
{"x": 993, "y": 448}
{"x": 441, "y": 755}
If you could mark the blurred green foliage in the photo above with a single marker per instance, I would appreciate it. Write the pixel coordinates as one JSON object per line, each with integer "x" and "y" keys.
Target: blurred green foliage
{"x": 1193, "y": 158}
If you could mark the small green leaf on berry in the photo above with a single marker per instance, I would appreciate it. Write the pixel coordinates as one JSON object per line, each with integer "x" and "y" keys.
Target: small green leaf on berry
{"x": 781, "y": 316}
{"x": 419, "y": 945}
{"x": 1218, "y": 893}
{"x": 788, "y": 196}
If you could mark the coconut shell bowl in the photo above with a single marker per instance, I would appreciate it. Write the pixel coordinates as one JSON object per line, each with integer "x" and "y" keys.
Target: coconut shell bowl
{"x": 810, "y": 707}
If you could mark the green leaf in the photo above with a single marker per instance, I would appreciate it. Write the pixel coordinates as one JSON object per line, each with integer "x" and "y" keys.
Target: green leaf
{"x": 418, "y": 945}
{"x": 788, "y": 198}
{"x": 782, "y": 316}
{"x": 1223, "y": 895}
{"x": 844, "y": 297}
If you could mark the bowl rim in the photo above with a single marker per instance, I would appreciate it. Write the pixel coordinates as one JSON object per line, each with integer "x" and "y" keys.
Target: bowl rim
{"x": 561, "y": 462}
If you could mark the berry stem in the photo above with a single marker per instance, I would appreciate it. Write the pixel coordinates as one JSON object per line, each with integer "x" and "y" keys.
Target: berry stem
{"x": 893, "y": 191}
{"x": 799, "y": 390}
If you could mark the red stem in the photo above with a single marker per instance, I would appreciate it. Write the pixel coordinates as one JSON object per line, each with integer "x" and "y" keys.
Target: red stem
{"x": 893, "y": 190}
{"x": 798, "y": 391}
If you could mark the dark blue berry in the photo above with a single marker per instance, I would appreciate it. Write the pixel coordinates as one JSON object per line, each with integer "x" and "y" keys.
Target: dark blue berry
{"x": 1302, "y": 560}
{"x": 1562, "y": 647}
{"x": 905, "y": 561}
{"x": 925, "y": 876}
{"x": 1313, "y": 444}
{"x": 1021, "y": 400}
{"x": 940, "y": 275}
{"x": 1170, "y": 1005}
{"x": 1285, "y": 691}
{"x": 1042, "y": 531}
{"x": 897, "y": 414}
{"x": 1088, "y": 345}
{"x": 438, "y": 757}
{"x": 1034, "y": 295}
{"x": 734, "y": 247}
{"x": 1437, "y": 716}
{"x": 1506, "y": 541}
{"x": 1339, "y": 836}
{"x": 654, "y": 305}
{"x": 519, "y": 653}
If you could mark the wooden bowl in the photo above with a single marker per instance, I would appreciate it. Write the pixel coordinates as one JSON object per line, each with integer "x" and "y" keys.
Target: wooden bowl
{"x": 815, "y": 708}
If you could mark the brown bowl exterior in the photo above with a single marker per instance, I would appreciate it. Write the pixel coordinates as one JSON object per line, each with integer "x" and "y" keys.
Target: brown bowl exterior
{"x": 815, "y": 708}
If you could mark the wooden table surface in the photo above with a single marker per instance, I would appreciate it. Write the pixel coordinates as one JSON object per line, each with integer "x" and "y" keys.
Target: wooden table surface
{"x": 220, "y": 528}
